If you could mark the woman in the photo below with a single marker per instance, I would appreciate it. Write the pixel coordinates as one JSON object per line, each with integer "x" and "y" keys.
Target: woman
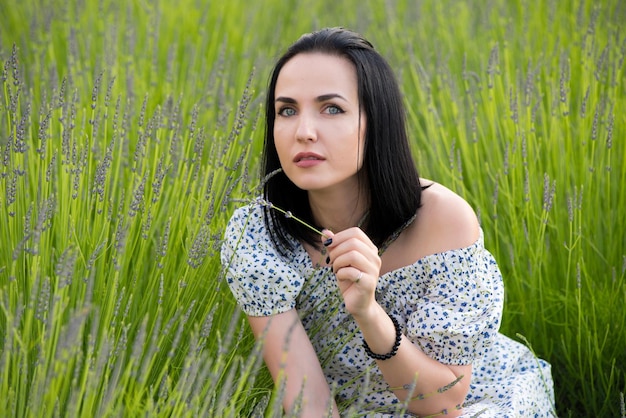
{"x": 374, "y": 295}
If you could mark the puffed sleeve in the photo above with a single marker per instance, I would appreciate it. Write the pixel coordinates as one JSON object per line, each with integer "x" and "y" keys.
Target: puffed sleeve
{"x": 262, "y": 281}
{"x": 459, "y": 314}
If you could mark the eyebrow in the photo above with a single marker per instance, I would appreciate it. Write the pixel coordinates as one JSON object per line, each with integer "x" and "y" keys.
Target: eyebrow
{"x": 319, "y": 99}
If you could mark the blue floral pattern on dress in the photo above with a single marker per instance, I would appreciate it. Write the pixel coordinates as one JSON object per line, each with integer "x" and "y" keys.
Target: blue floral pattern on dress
{"x": 449, "y": 304}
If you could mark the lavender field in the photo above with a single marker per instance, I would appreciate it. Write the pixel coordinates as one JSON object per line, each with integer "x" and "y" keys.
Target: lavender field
{"x": 129, "y": 132}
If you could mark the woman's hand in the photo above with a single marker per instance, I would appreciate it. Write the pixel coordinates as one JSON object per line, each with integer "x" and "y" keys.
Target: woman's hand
{"x": 356, "y": 265}
{"x": 352, "y": 252}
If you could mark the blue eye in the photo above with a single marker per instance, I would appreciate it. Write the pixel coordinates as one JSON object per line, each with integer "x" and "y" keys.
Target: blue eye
{"x": 334, "y": 110}
{"x": 286, "y": 111}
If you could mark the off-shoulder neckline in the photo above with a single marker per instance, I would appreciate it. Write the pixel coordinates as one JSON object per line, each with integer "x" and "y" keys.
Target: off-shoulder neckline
{"x": 420, "y": 261}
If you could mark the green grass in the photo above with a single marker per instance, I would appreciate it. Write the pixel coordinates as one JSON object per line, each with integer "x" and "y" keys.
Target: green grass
{"x": 128, "y": 128}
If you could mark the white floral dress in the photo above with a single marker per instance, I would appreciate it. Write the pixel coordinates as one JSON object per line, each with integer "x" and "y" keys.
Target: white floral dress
{"x": 449, "y": 304}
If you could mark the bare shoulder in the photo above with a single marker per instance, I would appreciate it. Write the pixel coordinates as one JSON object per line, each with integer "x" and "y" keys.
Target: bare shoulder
{"x": 444, "y": 222}
{"x": 446, "y": 219}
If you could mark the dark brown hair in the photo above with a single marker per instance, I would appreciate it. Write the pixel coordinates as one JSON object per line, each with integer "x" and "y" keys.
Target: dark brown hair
{"x": 393, "y": 187}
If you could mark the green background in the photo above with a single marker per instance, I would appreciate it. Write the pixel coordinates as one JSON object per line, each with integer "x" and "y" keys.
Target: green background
{"x": 129, "y": 131}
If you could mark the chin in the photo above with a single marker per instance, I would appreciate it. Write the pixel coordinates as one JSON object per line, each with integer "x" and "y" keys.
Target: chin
{"x": 309, "y": 184}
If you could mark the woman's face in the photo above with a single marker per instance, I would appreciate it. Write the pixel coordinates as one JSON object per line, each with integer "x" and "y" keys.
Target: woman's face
{"x": 317, "y": 132}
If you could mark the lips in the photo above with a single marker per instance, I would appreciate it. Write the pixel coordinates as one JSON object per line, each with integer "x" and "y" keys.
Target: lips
{"x": 307, "y": 156}
{"x": 307, "y": 159}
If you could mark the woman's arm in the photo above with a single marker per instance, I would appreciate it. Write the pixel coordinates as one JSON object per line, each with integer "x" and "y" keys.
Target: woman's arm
{"x": 411, "y": 365}
{"x": 445, "y": 222}
{"x": 289, "y": 356}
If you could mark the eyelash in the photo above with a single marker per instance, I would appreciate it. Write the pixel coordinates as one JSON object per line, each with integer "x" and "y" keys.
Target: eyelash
{"x": 282, "y": 110}
{"x": 339, "y": 110}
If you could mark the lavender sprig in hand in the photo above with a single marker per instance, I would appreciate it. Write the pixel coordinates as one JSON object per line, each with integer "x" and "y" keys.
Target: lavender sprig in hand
{"x": 288, "y": 215}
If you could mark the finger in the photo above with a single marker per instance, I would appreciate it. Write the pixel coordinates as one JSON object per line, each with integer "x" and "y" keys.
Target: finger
{"x": 327, "y": 237}
{"x": 350, "y": 274}
{"x": 351, "y": 258}
{"x": 355, "y": 234}
{"x": 358, "y": 277}
{"x": 339, "y": 248}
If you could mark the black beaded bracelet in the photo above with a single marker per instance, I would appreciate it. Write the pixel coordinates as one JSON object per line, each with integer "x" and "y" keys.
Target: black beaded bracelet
{"x": 396, "y": 344}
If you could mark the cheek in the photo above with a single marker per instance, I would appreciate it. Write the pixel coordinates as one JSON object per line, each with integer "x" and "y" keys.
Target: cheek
{"x": 279, "y": 136}
{"x": 281, "y": 147}
{"x": 357, "y": 143}
{"x": 361, "y": 159}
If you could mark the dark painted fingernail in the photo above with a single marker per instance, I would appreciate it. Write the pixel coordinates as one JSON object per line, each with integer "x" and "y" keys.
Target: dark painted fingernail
{"x": 328, "y": 260}
{"x": 328, "y": 242}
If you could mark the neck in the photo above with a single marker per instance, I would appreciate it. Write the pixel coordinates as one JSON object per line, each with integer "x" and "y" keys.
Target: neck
{"x": 338, "y": 211}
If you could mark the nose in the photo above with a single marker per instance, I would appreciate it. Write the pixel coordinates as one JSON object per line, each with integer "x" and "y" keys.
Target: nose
{"x": 306, "y": 128}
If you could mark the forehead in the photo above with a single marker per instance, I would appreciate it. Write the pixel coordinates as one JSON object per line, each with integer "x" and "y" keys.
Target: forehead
{"x": 317, "y": 73}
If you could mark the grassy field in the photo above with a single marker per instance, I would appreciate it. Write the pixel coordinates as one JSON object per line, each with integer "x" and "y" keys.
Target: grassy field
{"x": 129, "y": 131}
